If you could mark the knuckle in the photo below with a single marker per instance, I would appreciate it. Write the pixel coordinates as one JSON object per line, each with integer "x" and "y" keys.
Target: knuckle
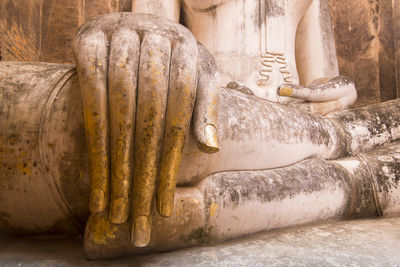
{"x": 89, "y": 38}
{"x": 185, "y": 56}
{"x": 124, "y": 49}
{"x": 157, "y": 41}
{"x": 84, "y": 47}
{"x": 125, "y": 35}
{"x": 155, "y": 56}
{"x": 187, "y": 48}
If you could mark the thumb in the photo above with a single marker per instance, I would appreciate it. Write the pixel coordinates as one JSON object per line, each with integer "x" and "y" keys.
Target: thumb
{"x": 205, "y": 118}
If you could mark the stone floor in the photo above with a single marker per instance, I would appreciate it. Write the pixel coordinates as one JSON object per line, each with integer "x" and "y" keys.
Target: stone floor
{"x": 364, "y": 242}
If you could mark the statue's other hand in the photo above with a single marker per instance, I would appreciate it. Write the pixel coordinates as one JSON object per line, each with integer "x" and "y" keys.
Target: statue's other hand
{"x": 138, "y": 76}
{"x": 324, "y": 95}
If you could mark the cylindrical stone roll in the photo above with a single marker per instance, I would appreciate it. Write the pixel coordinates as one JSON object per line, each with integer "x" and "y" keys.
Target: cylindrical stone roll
{"x": 43, "y": 163}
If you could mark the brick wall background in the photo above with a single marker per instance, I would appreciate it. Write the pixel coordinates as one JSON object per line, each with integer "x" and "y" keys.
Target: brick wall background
{"x": 367, "y": 36}
{"x": 40, "y": 30}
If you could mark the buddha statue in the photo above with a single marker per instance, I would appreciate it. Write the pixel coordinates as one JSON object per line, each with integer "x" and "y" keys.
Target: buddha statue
{"x": 221, "y": 108}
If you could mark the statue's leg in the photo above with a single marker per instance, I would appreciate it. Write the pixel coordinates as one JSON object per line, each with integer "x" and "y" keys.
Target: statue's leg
{"x": 233, "y": 204}
{"x": 256, "y": 134}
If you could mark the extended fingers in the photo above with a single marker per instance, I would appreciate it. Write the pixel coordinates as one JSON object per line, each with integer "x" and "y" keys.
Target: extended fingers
{"x": 90, "y": 51}
{"x": 122, "y": 77}
{"x": 182, "y": 91}
{"x": 152, "y": 99}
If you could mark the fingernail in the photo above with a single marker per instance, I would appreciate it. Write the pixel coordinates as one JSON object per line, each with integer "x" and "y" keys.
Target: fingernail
{"x": 141, "y": 232}
{"x": 211, "y": 138}
{"x": 97, "y": 201}
{"x": 285, "y": 91}
{"x": 165, "y": 205}
{"x": 119, "y": 211}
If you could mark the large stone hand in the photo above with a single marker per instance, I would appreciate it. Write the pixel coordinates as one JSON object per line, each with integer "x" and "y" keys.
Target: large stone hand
{"x": 138, "y": 77}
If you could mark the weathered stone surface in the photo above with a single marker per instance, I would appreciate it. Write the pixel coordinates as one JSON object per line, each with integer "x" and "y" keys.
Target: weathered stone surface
{"x": 55, "y": 114}
{"x": 365, "y": 36}
{"x": 355, "y": 26}
{"x": 387, "y": 56}
{"x": 238, "y": 203}
{"x": 396, "y": 30}
{"x": 60, "y": 20}
{"x": 20, "y": 32}
{"x": 41, "y": 30}
{"x": 24, "y": 156}
{"x": 125, "y": 5}
{"x": 95, "y": 8}
{"x": 243, "y": 116}
{"x": 362, "y": 242}
{"x": 366, "y": 32}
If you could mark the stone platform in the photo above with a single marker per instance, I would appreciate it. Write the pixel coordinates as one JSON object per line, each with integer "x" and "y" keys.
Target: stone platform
{"x": 362, "y": 242}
